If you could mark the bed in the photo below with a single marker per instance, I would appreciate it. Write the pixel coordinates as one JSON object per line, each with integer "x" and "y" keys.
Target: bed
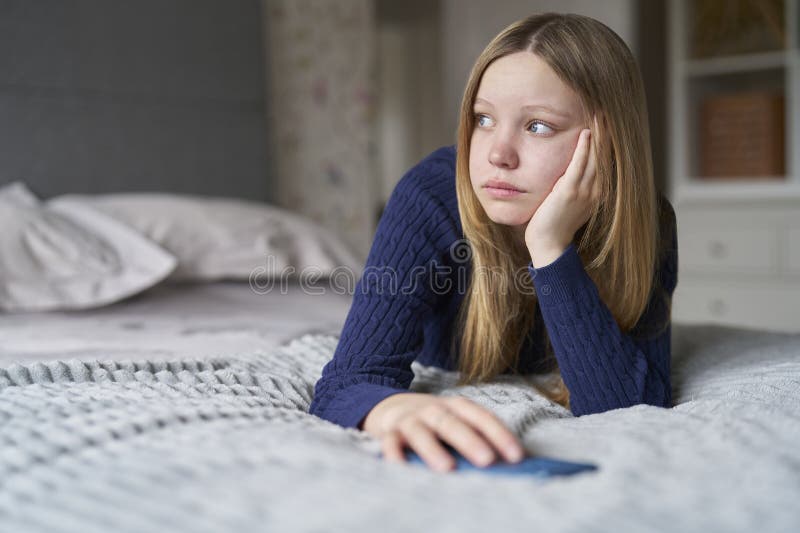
{"x": 184, "y": 407}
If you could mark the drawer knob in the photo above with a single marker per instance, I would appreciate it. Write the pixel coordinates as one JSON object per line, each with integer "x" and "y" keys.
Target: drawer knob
{"x": 717, "y": 307}
{"x": 717, "y": 249}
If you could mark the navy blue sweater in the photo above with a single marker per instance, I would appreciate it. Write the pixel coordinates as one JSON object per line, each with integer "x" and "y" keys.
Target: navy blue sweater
{"x": 405, "y": 304}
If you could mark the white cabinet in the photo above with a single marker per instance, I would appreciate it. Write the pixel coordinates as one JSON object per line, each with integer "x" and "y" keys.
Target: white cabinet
{"x": 738, "y": 232}
{"x": 739, "y": 264}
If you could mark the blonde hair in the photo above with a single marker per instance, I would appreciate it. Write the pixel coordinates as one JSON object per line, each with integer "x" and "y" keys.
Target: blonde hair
{"x": 618, "y": 244}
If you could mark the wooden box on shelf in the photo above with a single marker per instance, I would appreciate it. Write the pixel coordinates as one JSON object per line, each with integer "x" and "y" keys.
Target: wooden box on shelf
{"x": 742, "y": 136}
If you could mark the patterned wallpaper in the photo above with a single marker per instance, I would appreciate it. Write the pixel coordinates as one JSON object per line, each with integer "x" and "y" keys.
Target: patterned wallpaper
{"x": 321, "y": 86}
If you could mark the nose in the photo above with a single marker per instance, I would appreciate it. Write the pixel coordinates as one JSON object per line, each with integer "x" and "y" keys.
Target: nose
{"x": 503, "y": 154}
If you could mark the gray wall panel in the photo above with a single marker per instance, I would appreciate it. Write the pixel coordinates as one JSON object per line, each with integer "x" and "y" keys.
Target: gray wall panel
{"x": 103, "y": 96}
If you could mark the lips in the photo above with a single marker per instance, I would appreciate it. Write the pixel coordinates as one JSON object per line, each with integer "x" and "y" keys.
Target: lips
{"x": 497, "y": 184}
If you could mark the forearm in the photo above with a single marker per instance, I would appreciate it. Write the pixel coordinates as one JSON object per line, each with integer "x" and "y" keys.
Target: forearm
{"x": 602, "y": 367}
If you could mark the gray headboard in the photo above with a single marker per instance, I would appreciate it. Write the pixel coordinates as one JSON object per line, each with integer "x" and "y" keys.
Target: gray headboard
{"x": 104, "y": 96}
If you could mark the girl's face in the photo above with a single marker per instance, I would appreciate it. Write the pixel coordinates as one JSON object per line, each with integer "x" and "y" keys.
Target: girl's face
{"x": 527, "y": 123}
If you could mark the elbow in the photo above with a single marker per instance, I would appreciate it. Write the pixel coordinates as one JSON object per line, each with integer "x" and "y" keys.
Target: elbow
{"x": 659, "y": 398}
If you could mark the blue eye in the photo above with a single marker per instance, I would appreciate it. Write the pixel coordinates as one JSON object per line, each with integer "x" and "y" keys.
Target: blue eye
{"x": 538, "y": 123}
{"x": 480, "y": 120}
{"x": 483, "y": 121}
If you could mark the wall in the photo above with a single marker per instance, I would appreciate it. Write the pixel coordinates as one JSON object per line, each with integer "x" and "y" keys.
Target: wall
{"x": 163, "y": 95}
{"x": 410, "y": 124}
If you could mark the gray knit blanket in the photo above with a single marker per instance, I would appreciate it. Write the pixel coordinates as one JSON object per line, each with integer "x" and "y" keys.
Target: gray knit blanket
{"x": 224, "y": 445}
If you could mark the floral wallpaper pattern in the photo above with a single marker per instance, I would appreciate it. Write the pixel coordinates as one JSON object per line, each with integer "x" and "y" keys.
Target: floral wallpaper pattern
{"x": 321, "y": 85}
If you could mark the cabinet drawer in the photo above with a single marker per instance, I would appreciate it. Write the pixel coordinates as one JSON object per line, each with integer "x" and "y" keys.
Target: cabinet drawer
{"x": 754, "y": 305}
{"x": 736, "y": 250}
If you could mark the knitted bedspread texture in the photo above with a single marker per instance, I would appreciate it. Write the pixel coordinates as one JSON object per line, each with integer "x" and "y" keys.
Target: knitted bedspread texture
{"x": 224, "y": 444}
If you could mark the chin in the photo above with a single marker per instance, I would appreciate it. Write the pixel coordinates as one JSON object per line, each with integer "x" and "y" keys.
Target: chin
{"x": 508, "y": 219}
{"x": 507, "y": 214}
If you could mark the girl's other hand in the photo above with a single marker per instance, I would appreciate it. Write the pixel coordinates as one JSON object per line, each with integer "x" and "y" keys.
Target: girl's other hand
{"x": 570, "y": 202}
{"x": 422, "y": 421}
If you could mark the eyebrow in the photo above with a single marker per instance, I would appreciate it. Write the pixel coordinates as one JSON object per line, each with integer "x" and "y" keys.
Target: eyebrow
{"x": 543, "y": 107}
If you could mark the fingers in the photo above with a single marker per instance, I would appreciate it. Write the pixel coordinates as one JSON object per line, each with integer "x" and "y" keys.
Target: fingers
{"x": 574, "y": 173}
{"x": 425, "y": 443}
{"x": 503, "y": 440}
{"x": 462, "y": 437}
{"x": 392, "y": 447}
{"x": 473, "y": 431}
{"x": 588, "y": 184}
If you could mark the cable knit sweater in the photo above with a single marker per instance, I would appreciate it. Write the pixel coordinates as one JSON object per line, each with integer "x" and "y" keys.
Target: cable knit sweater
{"x": 417, "y": 271}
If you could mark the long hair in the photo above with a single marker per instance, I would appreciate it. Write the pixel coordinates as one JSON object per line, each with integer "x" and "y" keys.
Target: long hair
{"x": 618, "y": 245}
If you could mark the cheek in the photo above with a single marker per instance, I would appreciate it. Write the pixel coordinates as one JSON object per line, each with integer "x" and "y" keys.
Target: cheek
{"x": 542, "y": 163}
{"x": 546, "y": 163}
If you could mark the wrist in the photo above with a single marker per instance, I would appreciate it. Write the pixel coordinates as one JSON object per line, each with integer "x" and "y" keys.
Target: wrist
{"x": 544, "y": 253}
{"x": 377, "y": 419}
{"x": 369, "y": 424}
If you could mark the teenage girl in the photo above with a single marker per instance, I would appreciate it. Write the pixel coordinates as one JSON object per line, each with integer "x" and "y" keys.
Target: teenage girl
{"x": 537, "y": 245}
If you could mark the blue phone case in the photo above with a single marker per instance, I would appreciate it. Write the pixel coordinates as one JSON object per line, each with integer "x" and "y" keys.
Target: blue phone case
{"x": 539, "y": 467}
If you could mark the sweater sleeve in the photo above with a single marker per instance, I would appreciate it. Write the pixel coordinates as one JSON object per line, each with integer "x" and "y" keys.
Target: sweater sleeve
{"x": 383, "y": 331}
{"x": 602, "y": 367}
